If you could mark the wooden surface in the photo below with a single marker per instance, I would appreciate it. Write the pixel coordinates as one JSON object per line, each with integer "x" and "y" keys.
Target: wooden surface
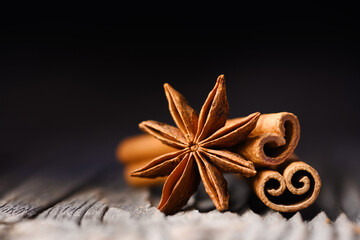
{"x": 93, "y": 202}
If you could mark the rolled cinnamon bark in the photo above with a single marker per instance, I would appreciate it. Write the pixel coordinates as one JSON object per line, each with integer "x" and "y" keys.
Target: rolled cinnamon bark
{"x": 140, "y": 148}
{"x": 290, "y": 187}
{"x": 137, "y": 151}
{"x": 273, "y": 140}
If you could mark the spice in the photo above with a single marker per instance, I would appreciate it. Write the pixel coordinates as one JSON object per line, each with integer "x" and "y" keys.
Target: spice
{"x": 140, "y": 147}
{"x": 274, "y": 195}
{"x": 282, "y": 182}
{"x": 289, "y": 187}
{"x": 202, "y": 142}
{"x": 273, "y": 140}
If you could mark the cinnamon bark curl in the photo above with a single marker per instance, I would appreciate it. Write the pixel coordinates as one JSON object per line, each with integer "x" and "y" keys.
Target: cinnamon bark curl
{"x": 273, "y": 140}
{"x": 289, "y": 187}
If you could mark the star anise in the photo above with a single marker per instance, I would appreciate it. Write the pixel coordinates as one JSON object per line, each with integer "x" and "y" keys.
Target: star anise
{"x": 203, "y": 142}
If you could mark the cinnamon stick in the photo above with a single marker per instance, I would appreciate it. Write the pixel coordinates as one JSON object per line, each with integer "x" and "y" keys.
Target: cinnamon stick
{"x": 139, "y": 148}
{"x": 273, "y": 140}
{"x": 283, "y": 182}
{"x": 137, "y": 151}
{"x": 289, "y": 187}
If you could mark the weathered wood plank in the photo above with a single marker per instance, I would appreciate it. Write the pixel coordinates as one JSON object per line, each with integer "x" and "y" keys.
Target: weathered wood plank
{"x": 95, "y": 214}
{"x": 91, "y": 204}
{"x": 73, "y": 208}
{"x": 106, "y": 208}
{"x": 43, "y": 190}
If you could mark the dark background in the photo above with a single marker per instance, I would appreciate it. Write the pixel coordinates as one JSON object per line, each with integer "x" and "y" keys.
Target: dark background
{"x": 76, "y": 80}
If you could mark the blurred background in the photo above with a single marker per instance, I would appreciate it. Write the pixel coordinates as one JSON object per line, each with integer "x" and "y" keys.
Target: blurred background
{"x": 76, "y": 80}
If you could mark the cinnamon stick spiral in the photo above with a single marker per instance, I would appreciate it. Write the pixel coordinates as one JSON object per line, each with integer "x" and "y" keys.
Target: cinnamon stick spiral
{"x": 273, "y": 140}
{"x": 288, "y": 188}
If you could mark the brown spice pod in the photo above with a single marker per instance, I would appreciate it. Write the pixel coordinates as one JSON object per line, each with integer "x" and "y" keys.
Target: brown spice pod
{"x": 140, "y": 147}
{"x": 291, "y": 187}
{"x": 273, "y": 140}
{"x": 140, "y": 182}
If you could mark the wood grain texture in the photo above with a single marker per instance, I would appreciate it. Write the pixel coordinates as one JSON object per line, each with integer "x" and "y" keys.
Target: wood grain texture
{"x": 97, "y": 200}
{"x": 74, "y": 208}
{"x": 106, "y": 208}
{"x": 42, "y": 190}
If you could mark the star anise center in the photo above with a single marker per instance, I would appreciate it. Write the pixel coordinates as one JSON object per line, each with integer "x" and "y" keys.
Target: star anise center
{"x": 193, "y": 147}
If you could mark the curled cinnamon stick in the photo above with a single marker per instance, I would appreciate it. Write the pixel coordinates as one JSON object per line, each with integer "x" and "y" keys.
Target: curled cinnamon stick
{"x": 289, "y": 187}
{"x": 273, "y": 140}
{"x": 140, "y": 148}
{"x": 137, "y": 151}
